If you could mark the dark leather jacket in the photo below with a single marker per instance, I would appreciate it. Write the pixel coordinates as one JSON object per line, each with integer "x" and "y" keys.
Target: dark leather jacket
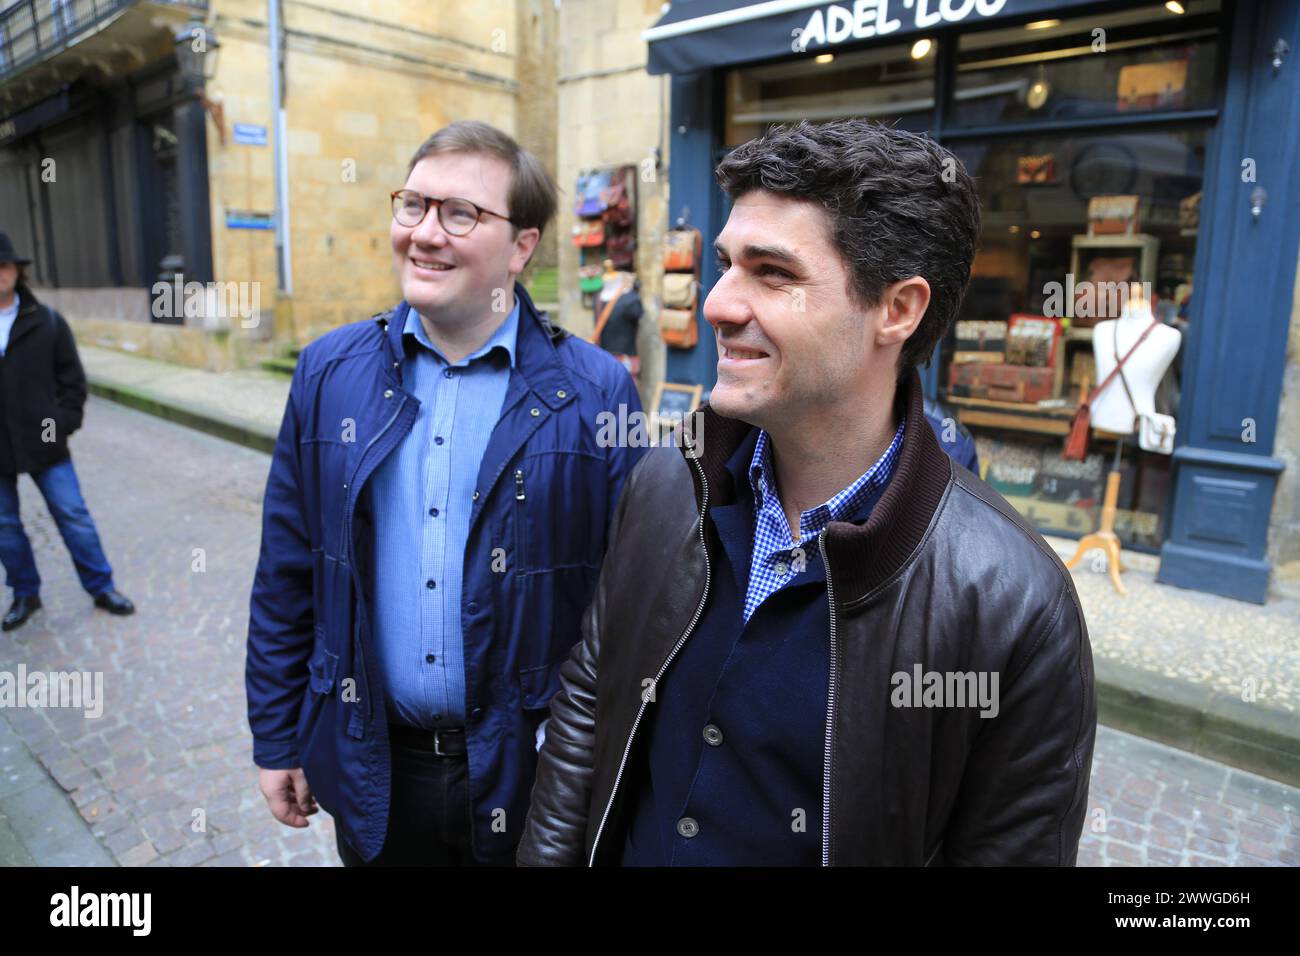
{"x": 945, "y": 574}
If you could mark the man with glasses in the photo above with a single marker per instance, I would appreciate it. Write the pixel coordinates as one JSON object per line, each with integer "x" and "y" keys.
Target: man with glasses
{"x": 434, "y": 522}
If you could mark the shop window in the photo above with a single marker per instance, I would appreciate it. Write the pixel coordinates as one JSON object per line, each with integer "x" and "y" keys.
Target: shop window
{"x": 891, "y": 85}
{"x": 1066, "y": 220}
{"x": 1123, "y": 62}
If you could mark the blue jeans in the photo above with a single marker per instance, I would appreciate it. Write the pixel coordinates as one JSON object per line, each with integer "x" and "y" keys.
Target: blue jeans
{"x": 63, "y": 496}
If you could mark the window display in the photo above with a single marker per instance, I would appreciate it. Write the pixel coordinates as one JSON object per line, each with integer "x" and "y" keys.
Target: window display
{"x": 1069, "y": 222}
{"x": 1071, "y": 217}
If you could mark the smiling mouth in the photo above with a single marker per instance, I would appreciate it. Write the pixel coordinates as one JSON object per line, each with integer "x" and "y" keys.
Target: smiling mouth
{"x": 739, "y": 354}
{"x": 432, "y": 266}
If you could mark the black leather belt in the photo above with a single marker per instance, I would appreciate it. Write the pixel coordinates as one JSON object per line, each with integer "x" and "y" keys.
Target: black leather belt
{"x": 446, "y": 742}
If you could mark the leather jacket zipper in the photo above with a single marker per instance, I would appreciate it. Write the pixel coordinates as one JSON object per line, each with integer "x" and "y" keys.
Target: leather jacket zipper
{"x": 699, "y": 611}
{"x": 830, "y": 709}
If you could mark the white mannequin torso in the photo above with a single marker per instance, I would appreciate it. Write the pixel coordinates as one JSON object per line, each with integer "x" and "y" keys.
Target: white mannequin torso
{"x": 1111, "y": 410}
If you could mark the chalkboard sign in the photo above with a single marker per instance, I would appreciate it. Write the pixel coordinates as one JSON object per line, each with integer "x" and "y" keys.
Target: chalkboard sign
{"x": 673, "y": 402}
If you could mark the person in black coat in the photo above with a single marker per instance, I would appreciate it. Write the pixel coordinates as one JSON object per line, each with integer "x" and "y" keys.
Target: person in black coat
{"x": 42, "y": 394}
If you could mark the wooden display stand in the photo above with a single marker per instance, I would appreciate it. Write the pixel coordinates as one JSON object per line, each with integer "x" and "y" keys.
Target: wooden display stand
{"x": 1105, "y": 537}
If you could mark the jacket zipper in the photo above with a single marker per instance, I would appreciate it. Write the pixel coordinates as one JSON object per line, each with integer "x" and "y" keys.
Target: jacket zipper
{"x": 519, "y": 485}
{"x": 830, "y": 709}
{"x": 699, "y": 611}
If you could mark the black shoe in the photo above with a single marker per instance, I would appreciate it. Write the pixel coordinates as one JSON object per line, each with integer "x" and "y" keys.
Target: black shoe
{"x": 22, "y": 609}
{"x": 115, "y": 602}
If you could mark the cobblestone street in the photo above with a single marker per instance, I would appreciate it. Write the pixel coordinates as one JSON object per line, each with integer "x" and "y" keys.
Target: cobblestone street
{"x": 179, "y": 515}
{"x": 173, "y": 738}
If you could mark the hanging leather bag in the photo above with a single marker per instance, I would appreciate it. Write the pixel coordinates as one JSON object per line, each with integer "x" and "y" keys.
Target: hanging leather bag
{"x": 1076, "y": 443}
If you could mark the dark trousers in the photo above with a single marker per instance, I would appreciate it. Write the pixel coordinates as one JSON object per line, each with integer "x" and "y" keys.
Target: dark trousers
{"x": 428, "y": 816}
{"x": 63, "y": 496}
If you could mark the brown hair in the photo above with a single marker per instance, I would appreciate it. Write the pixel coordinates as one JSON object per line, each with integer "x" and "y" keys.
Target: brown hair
{"x": 532, "y": 195}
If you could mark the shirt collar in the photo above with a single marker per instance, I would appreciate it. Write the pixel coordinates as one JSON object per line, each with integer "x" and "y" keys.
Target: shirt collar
{"x": 843, "y": 505}
{"x": 505, "y": 337}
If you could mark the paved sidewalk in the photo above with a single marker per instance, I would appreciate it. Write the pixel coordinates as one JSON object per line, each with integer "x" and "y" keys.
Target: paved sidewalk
{"x": 243, "y": 406}
{"x": 1152, "y": 805}
{"x": 164, "y": 776}
{"x": 1209, "y": 675}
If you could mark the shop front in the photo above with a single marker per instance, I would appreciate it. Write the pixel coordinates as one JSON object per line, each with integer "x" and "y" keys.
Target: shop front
{"x": 1134, "y": 171}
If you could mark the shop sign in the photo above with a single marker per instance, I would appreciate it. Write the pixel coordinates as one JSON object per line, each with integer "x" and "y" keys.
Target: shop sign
{"x": 864, "y": 19}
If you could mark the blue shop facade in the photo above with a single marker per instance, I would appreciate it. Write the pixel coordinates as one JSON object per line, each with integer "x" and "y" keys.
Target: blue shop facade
{"x": 1135, "y": 140}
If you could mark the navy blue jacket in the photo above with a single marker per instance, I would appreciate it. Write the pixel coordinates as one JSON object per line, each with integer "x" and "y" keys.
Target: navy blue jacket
{"x": 315, "y": 699}
{"x": 954, "y": 437}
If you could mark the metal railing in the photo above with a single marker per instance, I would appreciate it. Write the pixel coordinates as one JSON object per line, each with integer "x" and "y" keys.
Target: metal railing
{"x": 31, "y": 30}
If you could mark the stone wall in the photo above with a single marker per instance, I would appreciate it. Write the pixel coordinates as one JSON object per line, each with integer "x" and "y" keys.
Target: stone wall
{"x": 363, "y": 90}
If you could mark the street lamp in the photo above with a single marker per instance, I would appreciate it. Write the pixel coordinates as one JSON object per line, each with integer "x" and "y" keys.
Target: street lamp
{"x": 197, "y": 47}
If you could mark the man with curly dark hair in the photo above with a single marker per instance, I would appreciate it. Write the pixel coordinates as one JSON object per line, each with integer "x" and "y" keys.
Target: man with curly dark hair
{"x": 844, "y": 647}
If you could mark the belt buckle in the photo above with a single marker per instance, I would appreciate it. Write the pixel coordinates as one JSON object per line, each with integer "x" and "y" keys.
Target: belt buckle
{"x": 437, "y": 743}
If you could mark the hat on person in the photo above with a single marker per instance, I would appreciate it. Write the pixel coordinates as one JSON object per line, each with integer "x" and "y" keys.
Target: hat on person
{"x": 7, "y": 253}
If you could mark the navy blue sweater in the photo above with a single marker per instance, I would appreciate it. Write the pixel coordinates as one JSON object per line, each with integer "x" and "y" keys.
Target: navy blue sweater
{"x": 732, "y": 770}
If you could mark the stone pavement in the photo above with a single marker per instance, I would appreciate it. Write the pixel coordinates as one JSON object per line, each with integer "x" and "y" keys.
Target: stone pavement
{"x": 1204, "y": 673}
{"x": 1153, "y": 805}
{"x": 165, "y": 775}
{"x": 173, "y": 739}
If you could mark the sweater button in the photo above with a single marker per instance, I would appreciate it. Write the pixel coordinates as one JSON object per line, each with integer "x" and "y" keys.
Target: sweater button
{"x": 712, "y": 735}
{"x": 687, "y": 827}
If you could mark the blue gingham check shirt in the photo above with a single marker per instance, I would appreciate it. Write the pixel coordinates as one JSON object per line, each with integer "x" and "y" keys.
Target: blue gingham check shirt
{"x": 777, "y": 559}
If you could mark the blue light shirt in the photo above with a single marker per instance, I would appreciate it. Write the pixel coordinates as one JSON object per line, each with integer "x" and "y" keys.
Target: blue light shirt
{"x": 422, "y": 496}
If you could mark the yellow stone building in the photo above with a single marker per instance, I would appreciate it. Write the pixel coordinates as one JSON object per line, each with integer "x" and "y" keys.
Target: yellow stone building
{"x": 133, "y": 168}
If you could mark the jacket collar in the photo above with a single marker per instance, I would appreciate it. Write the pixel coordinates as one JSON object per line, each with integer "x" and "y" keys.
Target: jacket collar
{"x": 30, "y": 311}
{"x": 536, "y": 358}
{"x": 862, "y": 557}
{"x": 27, "y": 302}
